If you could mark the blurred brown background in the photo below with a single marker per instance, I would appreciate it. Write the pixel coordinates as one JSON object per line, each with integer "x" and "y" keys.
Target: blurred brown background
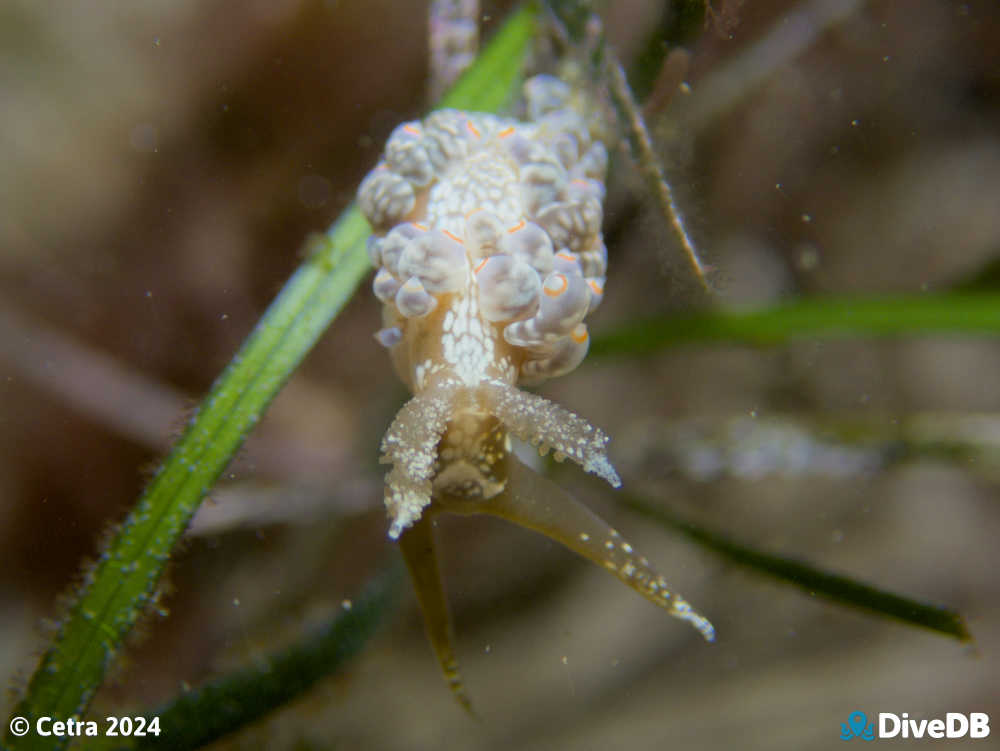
{"x": 160, "y": 166}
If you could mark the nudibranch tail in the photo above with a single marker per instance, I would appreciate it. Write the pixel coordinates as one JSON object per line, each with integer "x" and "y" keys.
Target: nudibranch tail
{"x": 537, "y": 503}
{"x": 417, "y": 546}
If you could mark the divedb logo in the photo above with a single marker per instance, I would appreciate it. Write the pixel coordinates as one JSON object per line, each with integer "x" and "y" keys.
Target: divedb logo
{"x": 890, "y": 725}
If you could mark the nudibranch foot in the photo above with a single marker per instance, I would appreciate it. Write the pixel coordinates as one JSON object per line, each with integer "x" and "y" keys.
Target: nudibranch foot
{"x": 535, "y": 502}
{"x": 417, "y": 546}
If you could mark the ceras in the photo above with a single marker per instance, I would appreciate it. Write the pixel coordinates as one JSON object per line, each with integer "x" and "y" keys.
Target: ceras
{"x": 489, "y": 256}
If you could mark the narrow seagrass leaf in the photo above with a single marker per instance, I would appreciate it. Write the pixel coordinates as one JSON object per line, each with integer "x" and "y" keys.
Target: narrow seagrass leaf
{"x": 810, "y": 318}
{"x": 232, "y": 701}
{"x": 843, "y": 590}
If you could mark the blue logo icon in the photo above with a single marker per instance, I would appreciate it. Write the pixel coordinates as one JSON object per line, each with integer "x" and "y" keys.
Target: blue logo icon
{"x": 857, "y": 726}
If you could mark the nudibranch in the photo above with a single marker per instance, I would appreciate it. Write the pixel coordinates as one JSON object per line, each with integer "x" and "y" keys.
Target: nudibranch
{"x": 489, "y": 256}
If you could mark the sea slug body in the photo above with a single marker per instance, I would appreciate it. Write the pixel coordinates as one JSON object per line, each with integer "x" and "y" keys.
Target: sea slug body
{"x": 489, "y": 257}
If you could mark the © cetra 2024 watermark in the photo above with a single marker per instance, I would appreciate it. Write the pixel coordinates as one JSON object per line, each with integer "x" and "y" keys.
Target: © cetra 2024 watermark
{"x": 126, "y": 727}
{"x": 974, "y": 725}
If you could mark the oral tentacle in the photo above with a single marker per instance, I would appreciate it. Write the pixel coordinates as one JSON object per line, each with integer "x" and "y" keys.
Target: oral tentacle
{"x": 545, "y": 424}
{"x": 410, "y": 445}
